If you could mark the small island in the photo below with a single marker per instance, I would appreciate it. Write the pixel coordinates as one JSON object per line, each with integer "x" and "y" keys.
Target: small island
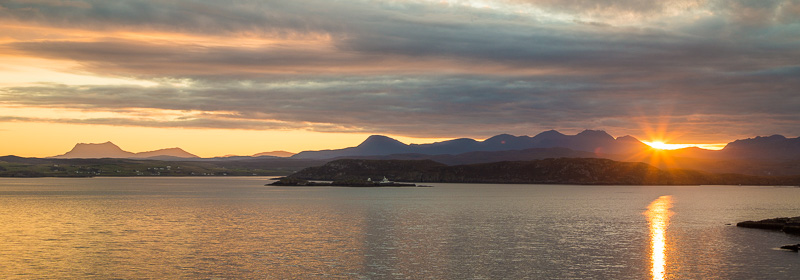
{"x": 368, "y": 183}
{"x": 784, "y": 224}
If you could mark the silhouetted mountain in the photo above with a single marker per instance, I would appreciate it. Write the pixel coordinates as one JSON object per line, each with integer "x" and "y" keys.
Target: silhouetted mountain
{"x": 771, "y": 147}
{"x": 455, "y": 146}
{"x": 594, "y": 141}
{"x": 96, "y": 150}
{"x": 24, "y": 160}
{"x": 379, "y": 144}
{"x": 695, "y": 152}
{"x": 374, "y": 145}
{"x": 165, "y": 154}
{"x": 274, "y": 154}
{"x": 110, "y": 150}
{"x": 490, "y": 156}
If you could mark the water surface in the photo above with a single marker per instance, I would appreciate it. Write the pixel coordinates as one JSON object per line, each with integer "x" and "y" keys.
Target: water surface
{"x": 234, "y": 228}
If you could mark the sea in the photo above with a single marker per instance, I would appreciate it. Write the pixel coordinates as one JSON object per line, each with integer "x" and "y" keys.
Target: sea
{"x": 238, "y": 228}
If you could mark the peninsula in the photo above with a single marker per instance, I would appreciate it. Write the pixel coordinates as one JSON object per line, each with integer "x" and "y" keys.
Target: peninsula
{"x": 368, "y": 183}
{"x": 579, "y": 171}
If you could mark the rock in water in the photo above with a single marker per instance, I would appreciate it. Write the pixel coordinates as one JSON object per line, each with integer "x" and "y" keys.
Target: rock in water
{"x": 787, "y": 225}
{"x": 794, "y": 247}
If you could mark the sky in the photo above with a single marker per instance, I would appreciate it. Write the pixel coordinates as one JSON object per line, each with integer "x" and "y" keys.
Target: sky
{"x": 243, "y": 77}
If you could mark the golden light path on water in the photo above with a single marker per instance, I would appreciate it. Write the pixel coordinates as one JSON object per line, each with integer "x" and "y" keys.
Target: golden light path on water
{"x": 658, "y": 215}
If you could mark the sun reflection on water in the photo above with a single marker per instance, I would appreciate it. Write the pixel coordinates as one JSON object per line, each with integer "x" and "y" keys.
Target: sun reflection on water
{"x": 658, "y": 215}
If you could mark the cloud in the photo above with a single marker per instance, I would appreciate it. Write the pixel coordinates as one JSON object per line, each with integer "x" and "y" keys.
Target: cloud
{"x": 611, "y": 7}
{"x": 410, "y": 38}
{"x": 421, "y": 68}
{"x": 441, "y": 106}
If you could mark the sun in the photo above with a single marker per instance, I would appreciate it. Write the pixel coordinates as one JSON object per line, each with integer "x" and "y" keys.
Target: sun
{"x": 657, "y": 145}
{"x": 664, "y": 146}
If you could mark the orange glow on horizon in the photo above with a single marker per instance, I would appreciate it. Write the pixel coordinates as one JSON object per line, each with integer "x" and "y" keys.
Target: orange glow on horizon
{"x": 663, "y": 133}
{"x": 658, "y": 214}
{"x": 666, "y": 146}
{"x": 43, "y": 139}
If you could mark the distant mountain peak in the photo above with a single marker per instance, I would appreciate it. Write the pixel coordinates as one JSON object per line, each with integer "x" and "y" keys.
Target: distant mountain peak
{"x": 380, "y": 140}
{"x": 274, "y": 154}
{"x": 110, "y": 150}
{"x": 551, "y": 132}
{"x": 627, "y": 138}
{"x": 500, "y": 138}
{"x": 504, "y": 135}
{"x": 107, "y": 143}
{"x": 376, "y": 137}
{"x": 772, "y": 137}
{"x": 758, "y": 140}
{"x": 595, "y": 134}
{"x": 169, "y": 152}
{"x": 96, "y": 150}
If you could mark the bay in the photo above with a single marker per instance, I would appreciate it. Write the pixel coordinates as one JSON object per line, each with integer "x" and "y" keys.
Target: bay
{"x": 237, "y": 228}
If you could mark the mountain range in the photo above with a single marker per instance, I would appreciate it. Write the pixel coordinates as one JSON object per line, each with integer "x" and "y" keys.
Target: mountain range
{"x": 589, "y": 143}
{"x": 773, "y": 155}
{"x": 595, "y": 141}
{"x": 110, "y": 150}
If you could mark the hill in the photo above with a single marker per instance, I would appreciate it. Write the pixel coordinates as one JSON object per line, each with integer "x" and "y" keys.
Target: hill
{"x": 282, "y": 154}
{"x": 12, "y": 166}
{"x": 545, "y": 171}
{"x": 770, "y": 147}
{"x": 165, "y": 153}
{"x": 489, "y": 156}
{"x": 110, "y": 150}
{"x": 96, "y": 150}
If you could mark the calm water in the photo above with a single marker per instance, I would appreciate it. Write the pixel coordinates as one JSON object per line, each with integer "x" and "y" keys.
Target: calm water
{"x": 232, "y": 228}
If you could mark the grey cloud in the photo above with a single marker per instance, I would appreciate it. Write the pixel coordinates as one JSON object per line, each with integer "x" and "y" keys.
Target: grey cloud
{"x": 392, "y": 65}
{"x": 364, "y": 31}
{"x": 753, "y": 12}
{"x": 193, "y": 16}
{"x": 604, "y": 7}
{"x": 133, "y": 58}
{"x": 442, "y": 106}
{"x": 374, "y": 35}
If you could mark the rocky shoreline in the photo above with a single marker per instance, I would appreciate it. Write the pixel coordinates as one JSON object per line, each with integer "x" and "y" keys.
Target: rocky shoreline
{"x": 789, "y": 225}
{"x": 784, "y": 224}
{"x": 289, "y": 181}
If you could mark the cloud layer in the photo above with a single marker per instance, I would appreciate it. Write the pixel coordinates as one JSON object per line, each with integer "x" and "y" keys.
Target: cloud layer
{"x": 420, "y": 68}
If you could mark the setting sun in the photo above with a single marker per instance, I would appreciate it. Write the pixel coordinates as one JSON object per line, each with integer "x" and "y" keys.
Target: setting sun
{"x": 664, "y": 146}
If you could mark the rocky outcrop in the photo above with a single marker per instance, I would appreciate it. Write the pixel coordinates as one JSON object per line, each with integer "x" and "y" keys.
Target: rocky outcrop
{"x": 784, "y": 224}
{"x": 795, "y": 247}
